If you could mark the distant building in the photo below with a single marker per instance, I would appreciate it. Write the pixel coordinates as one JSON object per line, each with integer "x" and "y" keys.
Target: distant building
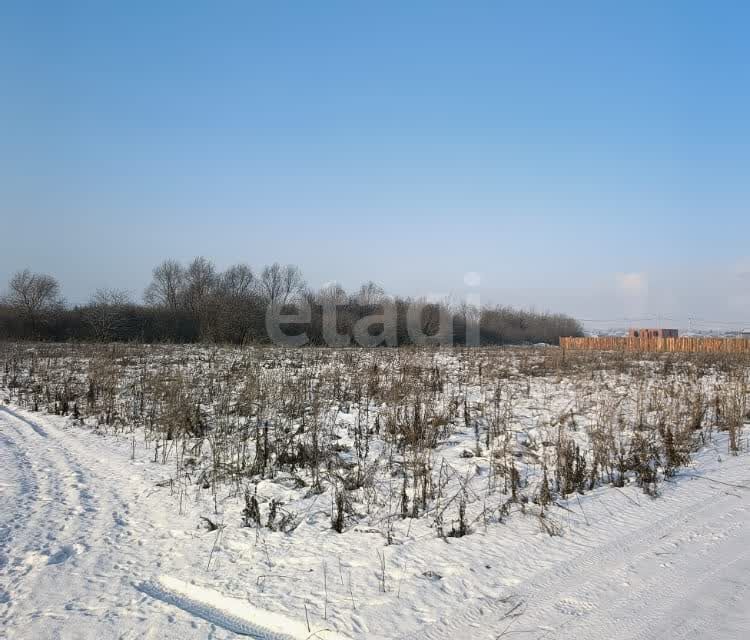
{"x": 653, "y": 333}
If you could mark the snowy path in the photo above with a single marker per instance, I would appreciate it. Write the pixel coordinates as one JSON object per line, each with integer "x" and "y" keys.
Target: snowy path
{"x": 73, "y": 559}
{"x": 88, "y": 545}
{"x": 57, "y": 519}
{"x": 676, "y": 567}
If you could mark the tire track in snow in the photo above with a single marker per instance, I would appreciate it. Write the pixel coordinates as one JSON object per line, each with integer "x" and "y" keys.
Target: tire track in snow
{"x": 232, "y": 614}
{"x": 552, "y": 591}
{"x": 703, "y": 550}
{"x": 77, "y": 521}
{"x": 18, "y": 492}
{"x": 50, "y": 527}
{"x": 34, "y": 426}
{"x": 58, "y": 523}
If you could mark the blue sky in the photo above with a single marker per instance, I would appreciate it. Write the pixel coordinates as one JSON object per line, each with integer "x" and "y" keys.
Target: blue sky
{"x": 587, "y": 157}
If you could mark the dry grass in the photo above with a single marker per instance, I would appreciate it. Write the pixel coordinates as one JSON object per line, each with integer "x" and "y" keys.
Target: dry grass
{"x": 380, "y": 430}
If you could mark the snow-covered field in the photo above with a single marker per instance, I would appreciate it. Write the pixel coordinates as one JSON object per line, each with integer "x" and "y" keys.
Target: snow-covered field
{"x": 104, "y": 520}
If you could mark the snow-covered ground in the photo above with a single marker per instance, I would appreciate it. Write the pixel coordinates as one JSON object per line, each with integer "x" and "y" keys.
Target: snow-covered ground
{"x": 95, "y": 544}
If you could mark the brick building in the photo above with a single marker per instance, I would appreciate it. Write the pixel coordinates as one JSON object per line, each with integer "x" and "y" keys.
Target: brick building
{"x": 653, "y": 333}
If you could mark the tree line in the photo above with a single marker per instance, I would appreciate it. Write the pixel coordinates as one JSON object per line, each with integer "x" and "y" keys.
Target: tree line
{"x": 199, "y": 303}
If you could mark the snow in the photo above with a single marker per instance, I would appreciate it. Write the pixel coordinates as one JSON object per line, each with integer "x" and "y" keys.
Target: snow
{"x": 232, "y": 614}
{"x": 94, "y": 544}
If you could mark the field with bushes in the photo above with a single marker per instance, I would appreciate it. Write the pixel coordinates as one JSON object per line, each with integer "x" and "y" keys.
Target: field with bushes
{"x": 369, "y": 491}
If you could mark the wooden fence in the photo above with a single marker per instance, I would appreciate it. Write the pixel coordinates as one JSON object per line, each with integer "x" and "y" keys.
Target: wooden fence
{"x": 683, "y": 345}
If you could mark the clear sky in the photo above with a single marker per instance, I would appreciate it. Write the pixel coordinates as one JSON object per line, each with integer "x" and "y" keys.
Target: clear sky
{"x": 586, "y": 157}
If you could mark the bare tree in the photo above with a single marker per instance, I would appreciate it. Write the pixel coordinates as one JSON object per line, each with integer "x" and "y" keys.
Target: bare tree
{"x": 332, "y": 294}
{"x": 294, "y": 283}
{"x": 279, "y": 284}
{"x": 105, "y": 312}
{"x": 370, "y": 293}
{"x": 236, "y": 298}
{"x": 200, "y": 282}
{"x": 33, "y": 295}
{"x": 166, "y": 286}
{"x": 237, "y": 281}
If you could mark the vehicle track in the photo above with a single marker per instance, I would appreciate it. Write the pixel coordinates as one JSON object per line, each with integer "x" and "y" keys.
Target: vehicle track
{"x": 72, "y": 555}
{"x": 574, "y": 598}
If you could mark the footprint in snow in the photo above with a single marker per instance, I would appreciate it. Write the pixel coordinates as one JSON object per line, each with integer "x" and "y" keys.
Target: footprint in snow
{"x": 573, "y": 607}
{"x": 65, "y": 553}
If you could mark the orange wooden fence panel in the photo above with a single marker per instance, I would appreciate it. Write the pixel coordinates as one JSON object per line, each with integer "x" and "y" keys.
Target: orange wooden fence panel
{"x": 682, "y": 345}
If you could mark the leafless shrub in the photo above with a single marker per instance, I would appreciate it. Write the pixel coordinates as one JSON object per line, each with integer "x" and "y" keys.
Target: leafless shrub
{"x": 379, "y": 433}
